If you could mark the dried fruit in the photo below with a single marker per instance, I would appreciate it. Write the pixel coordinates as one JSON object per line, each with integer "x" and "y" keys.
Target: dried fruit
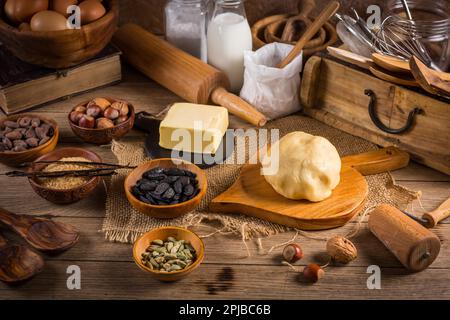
{"x": 313, "y": 272}
{"x": 94, "y": 111}
{"x": 111, "y": 113}
{"x": 81, "y": 109}
{"x": 341, "y": 250}
{"x": 101, "y": 102}
{"x": 24, "y": 122}
{"x": 292, "y": 253}
{"x": 122, "y": 107}
{"x": 75, "y": 116}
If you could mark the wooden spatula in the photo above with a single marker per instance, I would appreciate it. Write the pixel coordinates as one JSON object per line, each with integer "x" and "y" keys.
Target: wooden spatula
{"x": 17, "y": 262}
{"x": 397, "y": 78}
{"x": 310, "y": 32}
{"x": 252, "y": 195}
{"x": 350, "y": 57}
{"x": 42, "y": 234}
{"x": 432, "y": 81}
{"x": 391, "y": 64}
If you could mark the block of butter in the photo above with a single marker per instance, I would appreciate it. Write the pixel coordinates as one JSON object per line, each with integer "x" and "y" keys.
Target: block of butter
{"x": 193, "y": 128}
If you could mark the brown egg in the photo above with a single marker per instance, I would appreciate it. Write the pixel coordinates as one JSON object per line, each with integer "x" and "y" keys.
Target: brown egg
{"x": 91, "y": 10}
{"x": 61, "y": 6}
{"x": 48, "y": 21}
{"x": 22, "y": 10}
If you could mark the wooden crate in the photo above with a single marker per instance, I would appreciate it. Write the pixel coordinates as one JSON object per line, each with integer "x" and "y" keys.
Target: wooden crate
{"x": 335, "y": 93}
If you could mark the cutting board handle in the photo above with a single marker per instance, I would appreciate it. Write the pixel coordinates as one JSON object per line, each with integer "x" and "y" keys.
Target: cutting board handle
{"x": 378, "y": 161}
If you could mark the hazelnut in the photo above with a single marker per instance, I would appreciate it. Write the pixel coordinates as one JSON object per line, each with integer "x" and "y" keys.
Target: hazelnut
{"x": 122, "y": 107}
{"x": 341, "y": 250}
{"x": 80, "y": 108}
{"x": 313, "y": 272}
{"x": 87, "y": 122}
{"x": 111, "y": 113}
{"x": 101, "y": 102}
{"x": 75, "y": 116}
{"x": 292, "y": 253}
{"x": 121, "y": 119}
{"x": 94, "y": 111}
{"x": 104, "y": 123}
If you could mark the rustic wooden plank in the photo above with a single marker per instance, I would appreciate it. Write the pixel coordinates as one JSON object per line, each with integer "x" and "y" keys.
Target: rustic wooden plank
{"x": 418, "y": 172}
{"x": 123, "y": 280}
{"x": 225, "y": 249}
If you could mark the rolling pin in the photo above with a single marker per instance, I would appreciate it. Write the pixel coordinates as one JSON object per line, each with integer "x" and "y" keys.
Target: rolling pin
{"x": 181, "y": 73}
{"x": 414, "y": 246}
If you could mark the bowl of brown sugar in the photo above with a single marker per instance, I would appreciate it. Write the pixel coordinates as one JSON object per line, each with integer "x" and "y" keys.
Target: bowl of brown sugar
{"x": 68, "y": 188}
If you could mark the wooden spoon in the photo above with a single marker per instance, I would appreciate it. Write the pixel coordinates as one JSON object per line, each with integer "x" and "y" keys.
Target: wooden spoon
{"x": 397, "y": 78}
{"x": 391, "y": 64}
{"x": 18, "y": 263}
{"x": 432, "y": 81}
{"x": 318, "y": 23}
{"x": 42, "y": 234}
{"x": 303, "y": 17}
{"x": 350, "y": 57}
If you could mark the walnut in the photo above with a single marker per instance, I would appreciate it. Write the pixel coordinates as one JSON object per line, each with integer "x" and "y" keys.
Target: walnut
{"x": 341, "y": 249}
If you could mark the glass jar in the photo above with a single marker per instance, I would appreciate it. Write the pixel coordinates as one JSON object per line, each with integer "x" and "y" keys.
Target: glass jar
{"x": 229, "y": 35}
{"x": 185, "y": 24}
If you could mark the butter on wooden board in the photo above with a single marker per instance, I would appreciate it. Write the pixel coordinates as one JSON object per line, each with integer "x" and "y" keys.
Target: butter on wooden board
{"x": 193, "y": 128}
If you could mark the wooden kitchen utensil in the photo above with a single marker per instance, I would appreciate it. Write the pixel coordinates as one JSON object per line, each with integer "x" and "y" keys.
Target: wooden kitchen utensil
{"x": 302, "y": 18}
{"x": 18, "y": 263}
{"x": 397, "y": 78}
{"x": 391, "y": 64}
{"x": 414, "y": 246}
{"x": 436, "y": 216}
{"x": 432, "y": 81}
{"x": 318, "y": 23}
{"x": 350, "y": 57}
{"x": 252, "y": 195}
{"x": 183, "y": 74}
{"x": 42, "y": 234}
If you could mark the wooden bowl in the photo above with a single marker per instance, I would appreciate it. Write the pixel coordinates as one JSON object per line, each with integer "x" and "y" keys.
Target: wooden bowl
{"x": 60, "y": 49}
{"x": 163, "y": 233}
{"x": 17, "y": 158}
{"x": 70, "y": 195}
{"x": 104, "y": 136}
{"x": 169, "y": 211}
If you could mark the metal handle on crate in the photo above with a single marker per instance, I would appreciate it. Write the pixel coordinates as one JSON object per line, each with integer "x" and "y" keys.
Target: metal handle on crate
{"x": 380, "y": 125}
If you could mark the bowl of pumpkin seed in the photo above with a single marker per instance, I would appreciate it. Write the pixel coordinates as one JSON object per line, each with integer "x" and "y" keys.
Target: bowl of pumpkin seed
{"x": 169, "y": 253}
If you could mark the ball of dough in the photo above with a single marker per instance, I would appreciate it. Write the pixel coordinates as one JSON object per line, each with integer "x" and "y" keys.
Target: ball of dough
{"x": 309, "y": 167}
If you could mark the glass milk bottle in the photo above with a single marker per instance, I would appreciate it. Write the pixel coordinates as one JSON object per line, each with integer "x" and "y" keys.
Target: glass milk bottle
{"x": 229, "y": 35}
{"x": 185, "y": 24}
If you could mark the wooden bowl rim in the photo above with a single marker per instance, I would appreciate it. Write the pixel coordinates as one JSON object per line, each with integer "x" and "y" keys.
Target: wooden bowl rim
{"x": 173, "y": 206}
{"x": 197, "y": 262}
{"x": 110, "y": 15}
{"x": 21, "y": 115}
{"x": 33, "y": 181}
{"x": 123, "y": 124}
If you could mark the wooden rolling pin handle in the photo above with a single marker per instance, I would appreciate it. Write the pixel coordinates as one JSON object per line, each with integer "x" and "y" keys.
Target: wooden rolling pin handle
{"x": 378, "y": 161}
{"x": 436, "y": 216}
{"x": 238, "y": 107}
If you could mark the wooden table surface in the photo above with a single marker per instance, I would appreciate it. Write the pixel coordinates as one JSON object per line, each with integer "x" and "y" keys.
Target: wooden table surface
{"x": 108, "y": 271}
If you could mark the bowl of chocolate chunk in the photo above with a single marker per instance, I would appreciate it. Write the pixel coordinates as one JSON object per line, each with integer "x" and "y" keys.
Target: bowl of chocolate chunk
{"x": 25, "y": 137}
{"x": 166, "y": 188}
{"x": 101, "y": 120}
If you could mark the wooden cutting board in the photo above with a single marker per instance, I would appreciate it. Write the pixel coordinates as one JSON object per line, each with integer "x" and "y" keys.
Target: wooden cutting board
{"x": 253, "y": 196}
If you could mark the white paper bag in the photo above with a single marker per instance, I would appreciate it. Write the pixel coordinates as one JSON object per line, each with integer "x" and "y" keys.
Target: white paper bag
{"x": 273, "y": 91}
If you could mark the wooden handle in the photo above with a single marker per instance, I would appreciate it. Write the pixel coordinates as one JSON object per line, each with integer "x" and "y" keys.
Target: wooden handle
{"x": 238, "y": 107}
{"x": 436, "y": 216}
{"x": 306, "y": 7}
{"x": 318, "y": 23}
{"x": 378, "y": 161}
{"x": 18, "y": 223}
{"x": 414, "y": 246}
{"x": 351, "y": 57}
{"x": 3, "y": 241}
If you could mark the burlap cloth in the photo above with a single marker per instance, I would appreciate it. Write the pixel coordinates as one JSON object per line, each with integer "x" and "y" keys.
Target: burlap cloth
{"x": 124, "y": 224}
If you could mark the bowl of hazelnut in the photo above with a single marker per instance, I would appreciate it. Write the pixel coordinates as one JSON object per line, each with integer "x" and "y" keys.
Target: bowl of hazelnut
{"x": 101, "y": 120}
{"x": 25, "y": 137}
